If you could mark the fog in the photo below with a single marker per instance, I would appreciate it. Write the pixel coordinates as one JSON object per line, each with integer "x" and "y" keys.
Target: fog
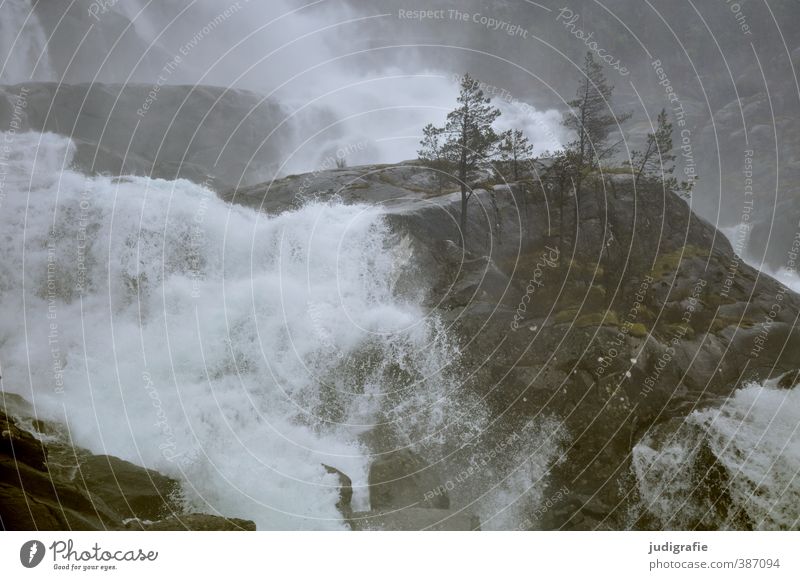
{"x": 364, "y": 77}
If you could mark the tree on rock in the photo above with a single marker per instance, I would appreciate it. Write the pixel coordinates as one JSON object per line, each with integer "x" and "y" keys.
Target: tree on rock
{"x": 657, "y": 160}
{"x": 657, "y": 156}
{"x": 593, "y": 121}
{"x": 515, "y": 148}
{"x": 469, "y": 139}
{"x": 433, "y": 154}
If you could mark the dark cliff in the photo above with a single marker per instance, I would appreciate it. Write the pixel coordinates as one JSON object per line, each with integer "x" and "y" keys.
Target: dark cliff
{"x": 616, "y": 312}
{"x": 46, "y": 483}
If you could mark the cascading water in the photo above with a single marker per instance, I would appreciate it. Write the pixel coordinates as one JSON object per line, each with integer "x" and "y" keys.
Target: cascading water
{"x": 234, "y": 351}
{"x": 731, "y": 467}
{"x": 23, "y": 45}
{"x": 739, "y": 237}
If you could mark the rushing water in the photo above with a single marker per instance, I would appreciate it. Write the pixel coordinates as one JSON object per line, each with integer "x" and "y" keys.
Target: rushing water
{"x": 239, "y": 352}
{"x": 235, "y": 351}
{"x": 729, "y": 467}
{"x": 23, "y": 43}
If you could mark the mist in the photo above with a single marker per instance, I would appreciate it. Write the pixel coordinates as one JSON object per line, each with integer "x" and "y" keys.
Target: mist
{"x": 220, "y": 224}
{"x": 359, "y": 80}
{"x": 318, "y": 60}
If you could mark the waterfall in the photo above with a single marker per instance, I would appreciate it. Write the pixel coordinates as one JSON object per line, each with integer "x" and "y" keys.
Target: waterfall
{"x": 728, "y": 467}
{"x": 23, "y": 45}
{"x": 234, "y": 351}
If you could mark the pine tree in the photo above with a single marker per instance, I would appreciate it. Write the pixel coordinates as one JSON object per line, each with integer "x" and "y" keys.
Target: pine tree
{"x": 563, "y": 174}
{"x": 593, "y": 120}
{"x": 471, "y": 140}
{"x": 514, "y": 148}
{"x": 432, "y": 153}
{"x": 658, "y": 158}
{"x": 466, "y": 141}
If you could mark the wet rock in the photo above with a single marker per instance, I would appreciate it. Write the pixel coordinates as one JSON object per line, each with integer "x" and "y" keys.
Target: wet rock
{"x": 194, "y": 523}
{"x": 46, "y": 484}
{"x": 30, "y": 499}
{"x": 344, "y": 505}
{"x": 131, "y": 491}
{"x": 401, "y": 479}
{"x": 21, "y": 445}
{"x": 624, "y": 329}
{"x": 789, "y": 380}
{"x": 414, "y": 519}
{"x": 187, "y": 121}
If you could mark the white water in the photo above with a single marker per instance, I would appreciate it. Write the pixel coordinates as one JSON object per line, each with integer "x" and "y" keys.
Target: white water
{"x": 201, "y": 343}
{"x": 788, "y": 278}
{"x": 739, "y": 237}
{"x": 234, "y": 351}
{"x": 311, "y": 58}
{"x": 23, "y": 44}
{"x": 754, "y": 436}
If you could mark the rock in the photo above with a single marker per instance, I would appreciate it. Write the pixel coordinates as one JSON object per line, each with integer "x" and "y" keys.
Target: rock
{"x": 789, "y": 380}
{"x": 131, "y": 491}
{"x": 704, "y": 501}
{"x": 14, "y": 405}
{"x": 414, "y": 519}
{"x": 401, "y": 479}
{"x": 194, "y": 523}
{"x": 576, "y": 364}
{"x": 86, "y": 36}
{"x": 36, "y": 508}
{"x": 30, "y": 499}
{"x": 344, "y": 505}
{"x": 16, "y": 444}
{"x": 49, "y": 485}
{"x": 616, "y": 293}
{"x": 184, "y": 121}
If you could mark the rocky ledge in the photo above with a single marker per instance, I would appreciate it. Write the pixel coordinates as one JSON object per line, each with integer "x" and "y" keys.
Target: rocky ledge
{"x": 615, "y": 311}
{"x": 47, "y": 484}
